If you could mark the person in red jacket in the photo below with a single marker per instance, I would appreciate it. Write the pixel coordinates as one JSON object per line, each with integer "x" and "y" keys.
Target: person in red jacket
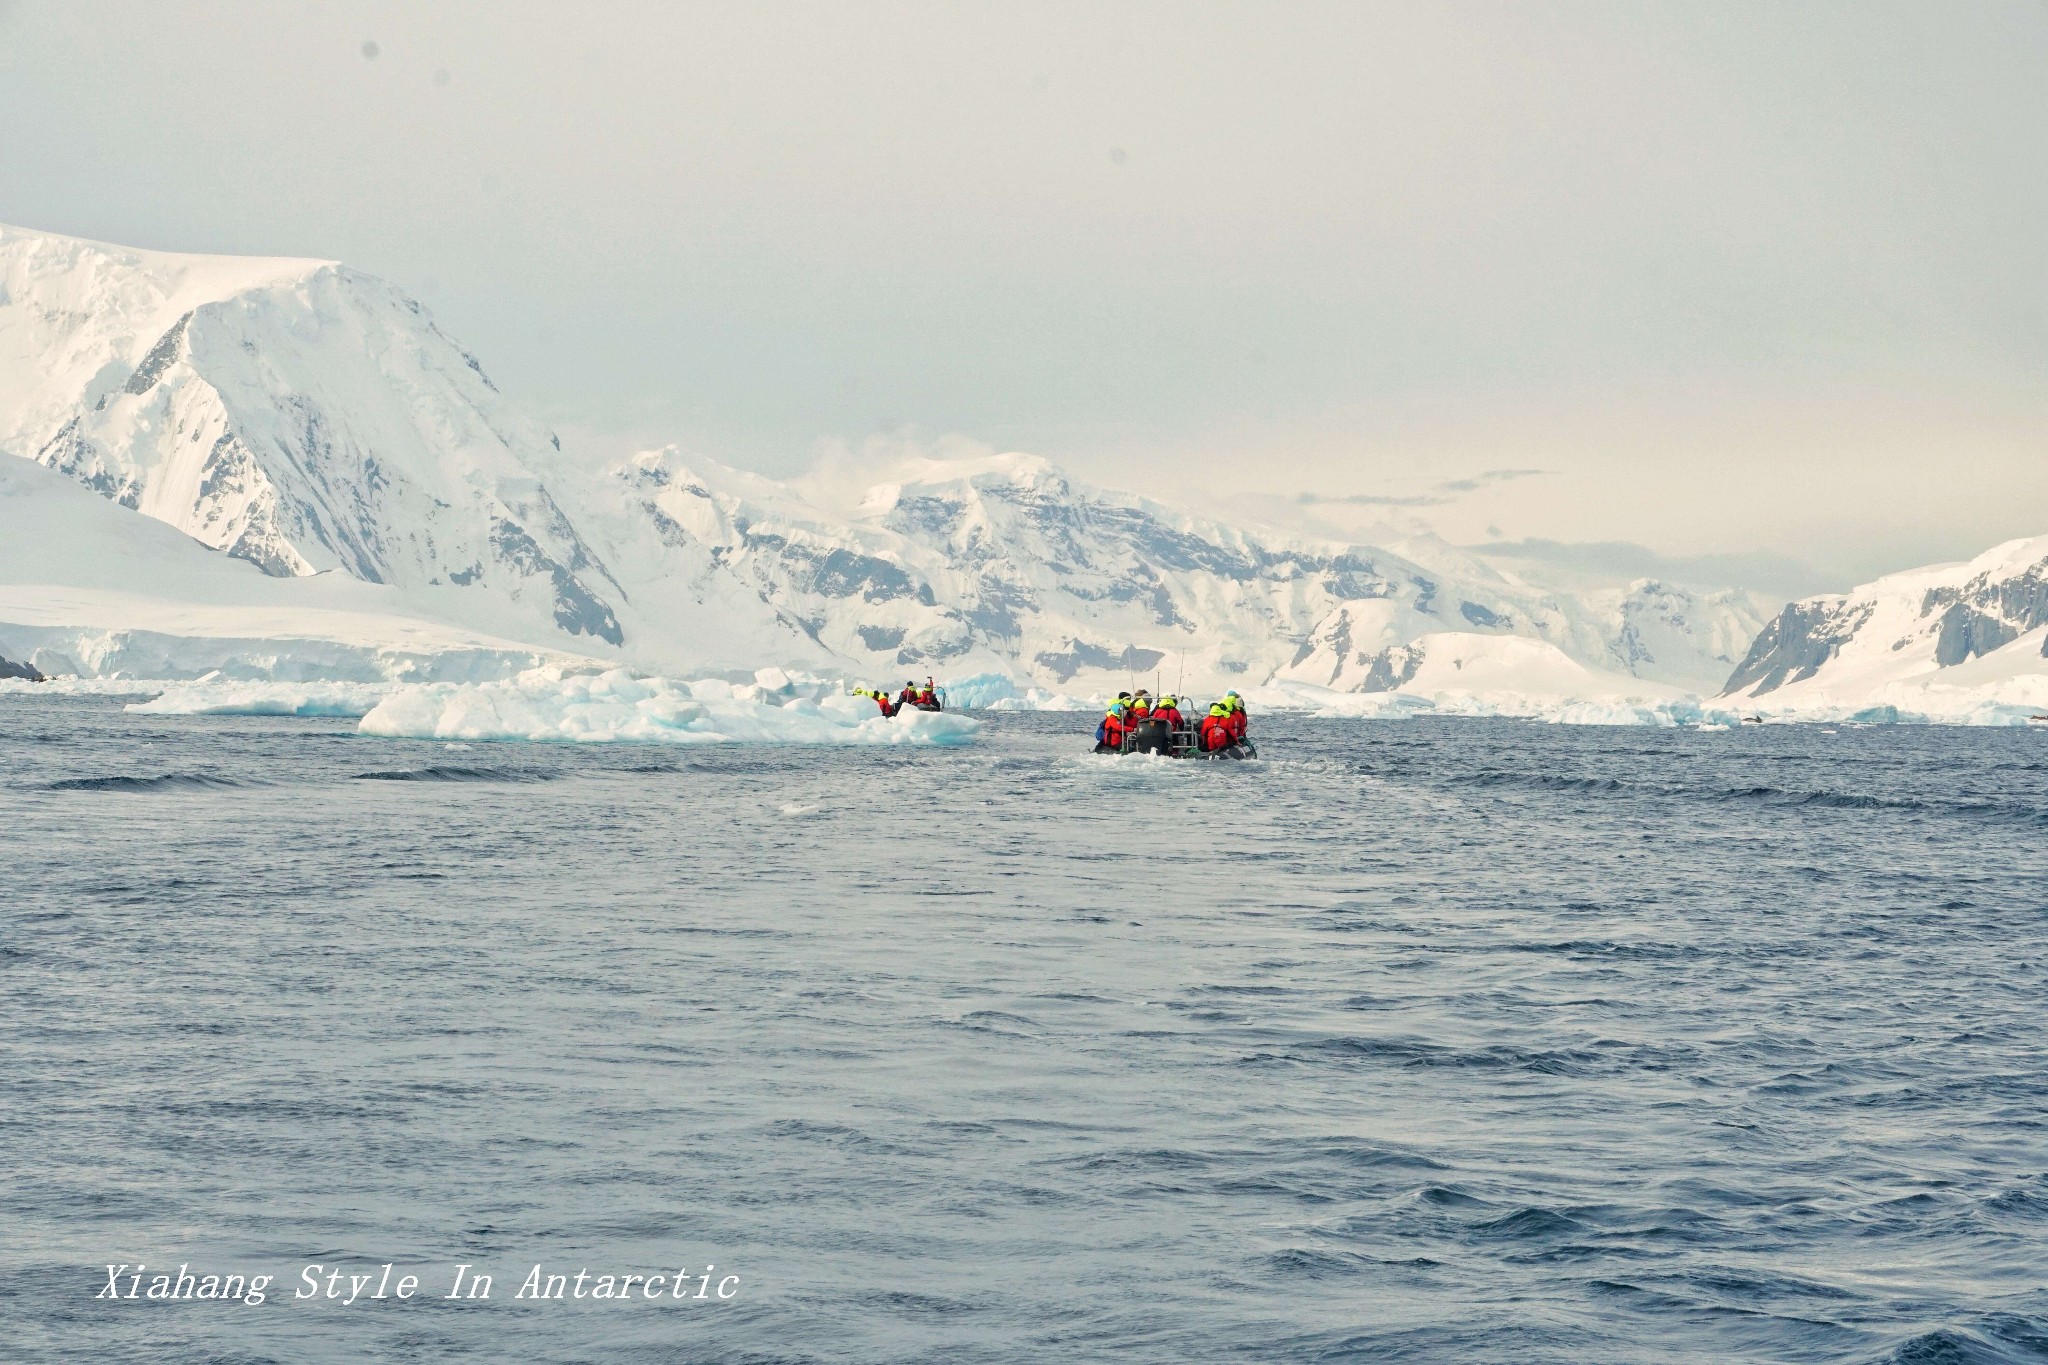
{"x": 928, "y": 696}
{"x": 1216, "y": 730}
{"x": 1141, "y": 705}
{"x": 907, "y": 697}
{"x": 1239, "y": 721}
{"x": 1168, "y": 710}
{"x": 1109, "y": 736}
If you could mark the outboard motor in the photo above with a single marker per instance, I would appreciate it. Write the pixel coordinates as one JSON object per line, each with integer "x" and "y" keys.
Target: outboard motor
{"x": 1152, "y": 737}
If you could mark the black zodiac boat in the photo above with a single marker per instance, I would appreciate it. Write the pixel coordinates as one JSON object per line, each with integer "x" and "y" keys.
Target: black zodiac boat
{"x": 1152, "y": 735}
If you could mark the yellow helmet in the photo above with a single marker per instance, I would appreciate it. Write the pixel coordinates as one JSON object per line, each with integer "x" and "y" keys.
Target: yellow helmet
{"x": 1220, "y": 709}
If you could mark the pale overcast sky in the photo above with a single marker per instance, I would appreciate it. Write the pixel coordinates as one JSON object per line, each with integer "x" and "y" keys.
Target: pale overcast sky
{"x": 1736, "y": 278}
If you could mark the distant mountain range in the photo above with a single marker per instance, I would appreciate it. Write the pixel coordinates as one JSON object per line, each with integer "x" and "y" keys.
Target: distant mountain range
{"x": 316, "y": 423}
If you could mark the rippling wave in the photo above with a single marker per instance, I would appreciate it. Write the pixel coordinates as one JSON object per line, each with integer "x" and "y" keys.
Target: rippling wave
{"x": 446, "y": 772}
{"x": 158, "y": 782}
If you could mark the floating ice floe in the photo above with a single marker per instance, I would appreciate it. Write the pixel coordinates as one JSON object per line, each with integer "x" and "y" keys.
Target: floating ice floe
{"x": 548, "y": 704}
{"x": 210, "y": 697}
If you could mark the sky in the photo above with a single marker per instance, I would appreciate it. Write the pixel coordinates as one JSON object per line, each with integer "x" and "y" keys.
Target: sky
{"x": 1751, "y": 286}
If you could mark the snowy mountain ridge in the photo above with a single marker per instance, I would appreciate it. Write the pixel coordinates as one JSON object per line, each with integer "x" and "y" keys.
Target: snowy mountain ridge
{"x": 1916, "y": 640}
{"x": 314, "y": 421}
{"x": 1004, "y": 563}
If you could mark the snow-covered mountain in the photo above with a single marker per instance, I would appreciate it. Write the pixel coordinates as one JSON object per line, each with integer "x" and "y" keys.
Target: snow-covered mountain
{"x": 1000, "y": 562}
{"x": 1946, "y": 639}
{"x": 316, "y": 422}
{"x": 293, "y": 413}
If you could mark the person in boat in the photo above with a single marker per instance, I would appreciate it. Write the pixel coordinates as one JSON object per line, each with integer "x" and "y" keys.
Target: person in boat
{"x": 1239, "y": 721}
{"x": 908, "y": 696}
{"x": 1109, "y": 735}
{"x": 928, "y": 696}
{"x": 1141, "y": 705}
{"x": 879, "y": 698}
{"x": 1168, "y": 710}
{"x": 1217, "y": 733}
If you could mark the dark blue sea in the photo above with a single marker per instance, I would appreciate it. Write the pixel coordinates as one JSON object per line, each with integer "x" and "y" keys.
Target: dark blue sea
{"x": 1464, "y": 1041}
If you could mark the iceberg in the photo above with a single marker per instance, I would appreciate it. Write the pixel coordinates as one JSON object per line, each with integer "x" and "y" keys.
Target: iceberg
{"x": 979, "y": 692}
{"x": 551, "y": 704}
{"x": 1038, "y": 699}
{"x": 999, "y": 692}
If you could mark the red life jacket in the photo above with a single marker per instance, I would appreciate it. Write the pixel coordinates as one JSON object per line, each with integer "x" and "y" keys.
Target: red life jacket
{"x": 888, "y": 707}
{"x": 1169, "y": 714}
{"x": 1139, "y": 710}
{"x": 927, "y": 697}
{"x": 1216, "y": 733}
{"x": 1239, "y": 721}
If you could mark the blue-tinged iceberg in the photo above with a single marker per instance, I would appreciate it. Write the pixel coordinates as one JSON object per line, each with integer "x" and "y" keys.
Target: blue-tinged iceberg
{"x": 615, "y": 706}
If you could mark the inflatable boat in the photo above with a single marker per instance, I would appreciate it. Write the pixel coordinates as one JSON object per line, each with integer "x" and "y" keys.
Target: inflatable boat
{"x": 1154, "y": 736}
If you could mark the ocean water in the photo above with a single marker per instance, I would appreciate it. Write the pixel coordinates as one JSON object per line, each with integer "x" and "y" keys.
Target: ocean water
{"x": 1433, "y": 1041}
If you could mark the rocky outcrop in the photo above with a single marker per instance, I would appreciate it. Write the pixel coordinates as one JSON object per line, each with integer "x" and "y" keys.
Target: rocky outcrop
{"x": 1796, "y": 645}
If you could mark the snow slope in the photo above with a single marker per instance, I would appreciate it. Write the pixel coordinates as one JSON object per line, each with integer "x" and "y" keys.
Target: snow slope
{"x": 89, "y": 587}
{"x": 1949, "y": 641}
